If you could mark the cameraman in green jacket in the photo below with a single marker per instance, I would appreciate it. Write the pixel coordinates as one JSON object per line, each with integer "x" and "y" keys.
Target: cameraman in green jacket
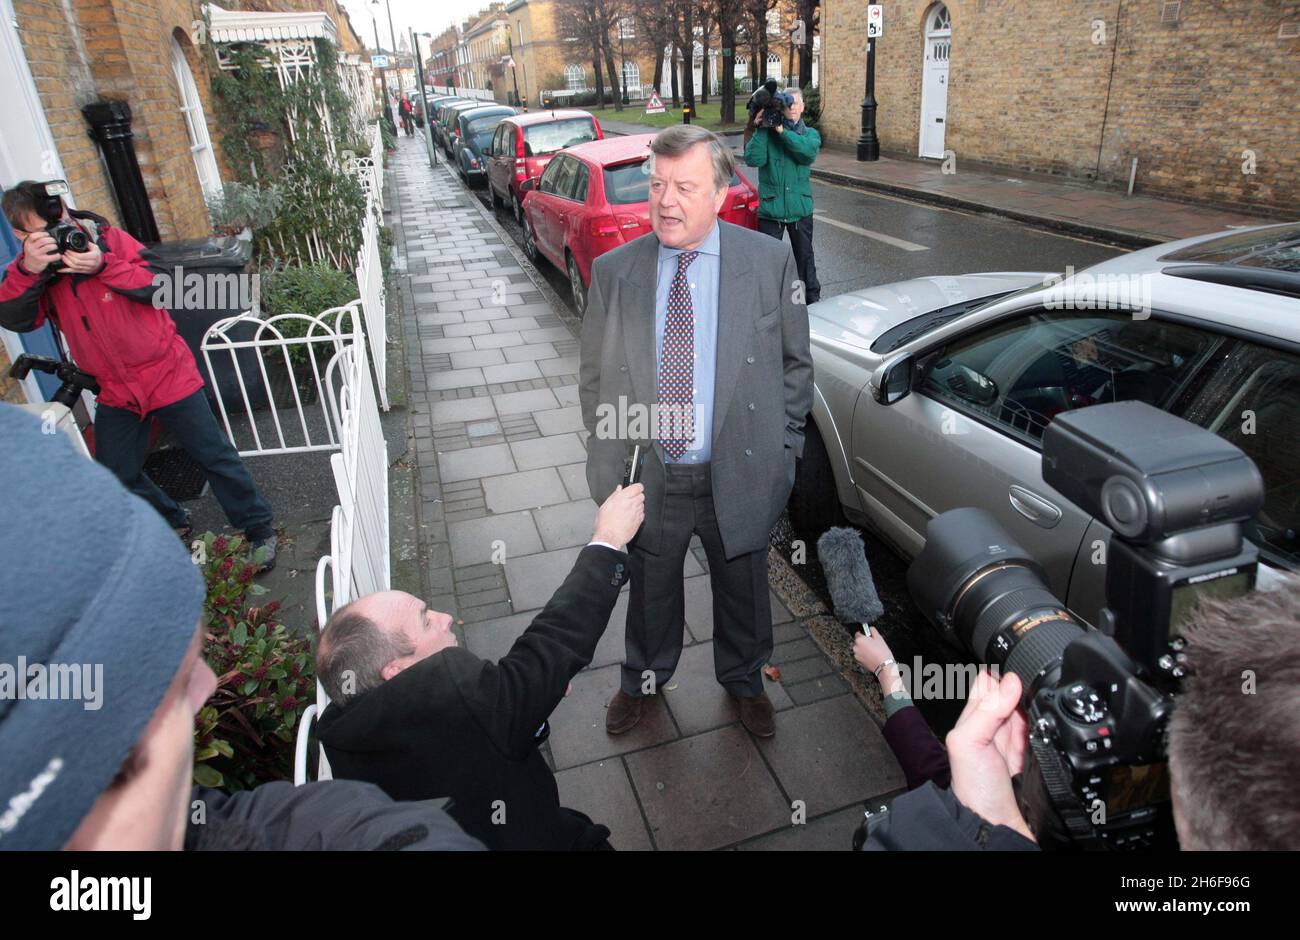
{"x": 784, "y": 155}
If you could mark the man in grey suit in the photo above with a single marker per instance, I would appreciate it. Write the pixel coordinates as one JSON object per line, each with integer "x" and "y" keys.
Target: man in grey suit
{"x": 695, "y": 345}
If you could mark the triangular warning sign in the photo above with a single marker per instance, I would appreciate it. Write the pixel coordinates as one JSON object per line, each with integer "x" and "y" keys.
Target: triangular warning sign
{"x": 655, "y": 105}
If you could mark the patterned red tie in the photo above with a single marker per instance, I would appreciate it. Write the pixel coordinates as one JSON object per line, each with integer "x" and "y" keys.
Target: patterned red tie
{"x": 677, "y": 365}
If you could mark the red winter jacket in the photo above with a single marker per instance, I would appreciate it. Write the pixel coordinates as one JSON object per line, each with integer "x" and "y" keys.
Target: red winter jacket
{"x": 113, "y": 329}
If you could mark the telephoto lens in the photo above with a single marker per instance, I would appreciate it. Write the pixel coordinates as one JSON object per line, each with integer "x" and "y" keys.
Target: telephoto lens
{"x": 981, "y": 588}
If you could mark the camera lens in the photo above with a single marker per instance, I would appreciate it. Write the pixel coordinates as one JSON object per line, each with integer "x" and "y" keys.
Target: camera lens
{"x": 73, "y": 239}
{"x": 971, "y": 579}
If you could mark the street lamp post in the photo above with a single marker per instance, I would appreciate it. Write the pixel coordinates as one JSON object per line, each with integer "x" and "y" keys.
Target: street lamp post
{"x": 622, "y": 55}
{"x": 869, "y": 143}
{"x": 424, "y": 96}
{"x": 383, "y": 82}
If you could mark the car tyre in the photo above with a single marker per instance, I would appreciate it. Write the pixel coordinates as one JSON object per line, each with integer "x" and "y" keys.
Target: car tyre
{"x": 530, "y": 246}
{"x": 576, "y": 285}
{"x": 814, "y": 501}
{"x": 518, "y": 209}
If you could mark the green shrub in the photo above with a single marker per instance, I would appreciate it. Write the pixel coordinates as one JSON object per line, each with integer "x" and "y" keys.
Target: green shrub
{"x": 309, "y": 289}
{"x": 240, "y": 206}
{"x": 244, "y": 735}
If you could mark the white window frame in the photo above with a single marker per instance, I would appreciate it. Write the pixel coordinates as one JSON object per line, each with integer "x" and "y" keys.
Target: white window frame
{"x": 572, "y": 74}
{"x": 196, "y": 124}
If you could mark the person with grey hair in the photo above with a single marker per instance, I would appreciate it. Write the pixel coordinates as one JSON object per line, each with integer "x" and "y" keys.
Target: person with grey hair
{"x": 784, "y": 156}
{"x": 422, "y": 718}
{"x": 693, "y": 335}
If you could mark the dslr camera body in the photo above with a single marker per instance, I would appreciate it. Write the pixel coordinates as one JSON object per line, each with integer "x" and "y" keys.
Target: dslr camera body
{"x": 67, "y": 237}
{"x": 1098, "y": 699}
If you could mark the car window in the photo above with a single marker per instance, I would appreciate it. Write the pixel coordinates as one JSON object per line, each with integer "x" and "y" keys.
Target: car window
{"x": 1018, "y": 374}
{"x": 553, "y": 176}
{"x": 576, "y": 182}
{"x": 556, "y": 135}
{"x": 1252, "y": 399}
{"x": 481, "y": 129}
{"x": 496, "y": 140}
{"x": 627, "y": 183}
{"x": 512, "y": 140}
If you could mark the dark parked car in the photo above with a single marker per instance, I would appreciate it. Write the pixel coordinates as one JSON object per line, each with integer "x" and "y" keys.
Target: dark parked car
{"x": 474, "y": 131}
{"x": 449, "y": 125}
{"x": 440, "y": 112}
{"x": 525, "y": 143}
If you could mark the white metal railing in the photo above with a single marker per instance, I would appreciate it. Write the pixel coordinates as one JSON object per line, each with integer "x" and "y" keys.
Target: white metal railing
{"x": 479, "y": 94}
{"x": 374, "y": 300}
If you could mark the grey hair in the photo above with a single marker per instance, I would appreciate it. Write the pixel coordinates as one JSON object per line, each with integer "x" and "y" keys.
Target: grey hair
{"x": 356, "y": 649}
{"x": 676, "y": 140}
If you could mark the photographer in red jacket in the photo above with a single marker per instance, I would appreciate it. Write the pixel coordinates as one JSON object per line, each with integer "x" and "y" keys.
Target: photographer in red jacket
{"x": 98, "y": 291}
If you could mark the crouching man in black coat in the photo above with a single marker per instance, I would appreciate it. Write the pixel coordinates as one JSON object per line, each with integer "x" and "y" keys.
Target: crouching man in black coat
{"x": 422, "y": 718}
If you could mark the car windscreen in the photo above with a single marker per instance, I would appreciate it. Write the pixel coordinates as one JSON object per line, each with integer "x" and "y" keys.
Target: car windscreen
{"x": 482, "y": 129}
{"x": 556, "y": 135}
{"x": 1276, "y": 247}
{"x": 909, "y": 330}
{"x": 627, "y": 183}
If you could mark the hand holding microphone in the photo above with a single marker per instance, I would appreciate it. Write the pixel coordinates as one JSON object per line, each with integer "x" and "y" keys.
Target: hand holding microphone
{"x": 853, "y": 592}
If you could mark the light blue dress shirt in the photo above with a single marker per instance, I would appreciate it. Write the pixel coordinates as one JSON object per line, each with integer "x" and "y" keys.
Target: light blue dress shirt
{"x": 702, "y": 280}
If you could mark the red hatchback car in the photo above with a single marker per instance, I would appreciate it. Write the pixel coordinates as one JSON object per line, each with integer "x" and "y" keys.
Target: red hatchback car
{"x": 524, "y": 143}
{"x": 595, "y": 197}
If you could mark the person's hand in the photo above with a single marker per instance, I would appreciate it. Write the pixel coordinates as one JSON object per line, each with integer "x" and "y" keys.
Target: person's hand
{"x": 987, "y": 748}
{"x": 620, "y": 516}
{"x": 870, "y": 652}
{"x": 39, "y": 252}
{"x": 780, "y": 128}
{"x": 83, "y": 262}
{"x": 758, "y": 118}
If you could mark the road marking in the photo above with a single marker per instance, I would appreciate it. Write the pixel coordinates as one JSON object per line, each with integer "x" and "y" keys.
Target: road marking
{"x": 878, "y": 236}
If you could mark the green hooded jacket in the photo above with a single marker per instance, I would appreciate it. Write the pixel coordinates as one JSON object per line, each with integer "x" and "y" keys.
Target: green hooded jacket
{"x": 783, "y": 161}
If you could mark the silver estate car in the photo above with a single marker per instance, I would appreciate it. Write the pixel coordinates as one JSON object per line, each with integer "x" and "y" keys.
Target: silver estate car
{"x": 933, "y": 393}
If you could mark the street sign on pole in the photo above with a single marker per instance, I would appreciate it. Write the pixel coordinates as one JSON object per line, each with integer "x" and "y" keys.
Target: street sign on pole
{"x": 875, "y": 20}
{"x": 379, "y": 61}
{"x": 655, "y": 105}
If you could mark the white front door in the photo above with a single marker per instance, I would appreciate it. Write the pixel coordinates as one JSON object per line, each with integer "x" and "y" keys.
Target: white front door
{"x": 934, "y": 83}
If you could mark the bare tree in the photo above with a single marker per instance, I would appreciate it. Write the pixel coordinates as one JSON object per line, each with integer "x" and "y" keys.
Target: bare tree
{"x": 727, "y": 13}
{"x": 578, "y": 20}
{"x": 654, "y": 29}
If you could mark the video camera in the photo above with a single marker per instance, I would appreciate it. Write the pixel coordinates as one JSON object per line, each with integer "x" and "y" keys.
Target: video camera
{"x": 67, "y": 237}
{"x": 1098, "y": 700}
{"x": 771, "y": 103}
{"x": 74, "y": 380}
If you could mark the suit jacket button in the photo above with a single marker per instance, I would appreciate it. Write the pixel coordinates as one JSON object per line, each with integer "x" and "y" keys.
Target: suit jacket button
{"x": 751, "y": 406}
{"x": 748, "y": 452}
{"x": 750, "y": 360}
{"x": 622, "y": 368}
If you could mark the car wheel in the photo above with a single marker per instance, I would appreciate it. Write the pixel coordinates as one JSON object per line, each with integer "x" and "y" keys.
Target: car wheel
{"x": 814, "y": 501}
{"x": 575, "y": 284}
{"x": 518, "y": 209}
{"x": 530, "y": 246}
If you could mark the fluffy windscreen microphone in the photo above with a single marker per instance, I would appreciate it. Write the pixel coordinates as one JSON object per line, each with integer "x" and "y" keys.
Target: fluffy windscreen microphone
{"x": 848, "y": 576}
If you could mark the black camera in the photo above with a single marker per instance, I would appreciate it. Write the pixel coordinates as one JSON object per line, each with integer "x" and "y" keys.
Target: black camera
{"x": 74, "y": 380}
{"x": 771, "y": 103}
{"x": 67, "y": 237}
{"x": 1098, "y": 699}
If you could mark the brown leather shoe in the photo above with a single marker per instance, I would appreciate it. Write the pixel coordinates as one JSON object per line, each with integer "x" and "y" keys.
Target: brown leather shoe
{"x": 758, "y": 715}
{"x": 624, "y": 712}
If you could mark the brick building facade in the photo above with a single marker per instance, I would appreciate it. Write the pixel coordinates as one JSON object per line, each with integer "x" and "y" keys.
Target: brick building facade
{"x": 1202, "y": 94}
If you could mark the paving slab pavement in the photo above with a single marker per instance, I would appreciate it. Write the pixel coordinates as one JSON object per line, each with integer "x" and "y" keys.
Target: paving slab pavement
{"x": 503, "y": 510}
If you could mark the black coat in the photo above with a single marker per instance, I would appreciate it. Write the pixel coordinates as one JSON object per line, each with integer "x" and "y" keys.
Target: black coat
{"x": 455, "y": 725}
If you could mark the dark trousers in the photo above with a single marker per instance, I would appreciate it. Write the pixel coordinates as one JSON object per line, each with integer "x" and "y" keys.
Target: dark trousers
{"x": 121, "y": 439}
{"x": 656, "y": 612}
{"x": 801, "y": 234}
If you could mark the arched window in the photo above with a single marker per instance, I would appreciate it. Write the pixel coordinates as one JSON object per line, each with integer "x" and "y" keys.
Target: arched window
{"x": 632, "y": 77}
{"x": 939, "y": 20}
{"x": 196, "y": 125}
{"x": 575, "y": 79}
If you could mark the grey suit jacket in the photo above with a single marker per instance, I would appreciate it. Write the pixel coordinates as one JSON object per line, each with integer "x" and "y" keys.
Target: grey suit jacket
{"x": 763, "y": 390}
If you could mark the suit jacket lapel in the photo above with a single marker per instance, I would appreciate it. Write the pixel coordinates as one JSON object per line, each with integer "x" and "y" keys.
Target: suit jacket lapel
{"x": 738, "y": 308}
{"x": 637, "y": 295}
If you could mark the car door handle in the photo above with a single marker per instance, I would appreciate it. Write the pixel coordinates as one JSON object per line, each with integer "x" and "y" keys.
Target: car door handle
{"x": 1034, "y": 508}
